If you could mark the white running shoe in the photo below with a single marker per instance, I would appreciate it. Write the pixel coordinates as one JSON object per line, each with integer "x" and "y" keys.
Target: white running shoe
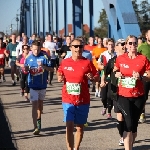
{"x": 96, "y": 94}
{"x": 121, "y": 142}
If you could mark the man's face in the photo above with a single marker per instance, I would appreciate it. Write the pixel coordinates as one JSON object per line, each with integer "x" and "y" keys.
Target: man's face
{"x": 72, "y": 37}
{"x": 49, "y": 38}
{"x": 13, "y": 37}
{"x": 110, "y": 46}
{"x": 25, "y": 39}
{"x": 76, "y": 48}
{"x": 68, "y": 40}
{"x": 33, "y": 37}
{"x": 35, "y": 50}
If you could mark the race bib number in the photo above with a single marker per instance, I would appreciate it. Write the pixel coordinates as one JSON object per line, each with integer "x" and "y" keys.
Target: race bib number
{"x": 1, "y": 55}
{"x": 13, "y": 53}
{"x": 73, "y": 88}
{"x": 128, "y": 82}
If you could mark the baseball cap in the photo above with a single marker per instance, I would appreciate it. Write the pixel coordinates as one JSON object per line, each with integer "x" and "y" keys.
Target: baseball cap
{"x": 120, "y": 41}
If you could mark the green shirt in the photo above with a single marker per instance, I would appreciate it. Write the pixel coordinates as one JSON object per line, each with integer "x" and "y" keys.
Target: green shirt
{"x": 12, "y": 49}
{"x": 144, "y": 49}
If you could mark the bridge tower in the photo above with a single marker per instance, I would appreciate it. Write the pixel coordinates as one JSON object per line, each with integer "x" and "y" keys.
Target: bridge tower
{"x": 122, "y": 20}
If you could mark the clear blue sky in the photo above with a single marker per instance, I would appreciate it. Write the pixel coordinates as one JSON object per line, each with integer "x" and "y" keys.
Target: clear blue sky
{"x": 8, "y": 11}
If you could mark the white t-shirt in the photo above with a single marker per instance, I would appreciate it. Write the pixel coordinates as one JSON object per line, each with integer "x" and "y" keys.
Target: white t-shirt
{"x": 19, "y": 49}
{"x": 51, "y": 46}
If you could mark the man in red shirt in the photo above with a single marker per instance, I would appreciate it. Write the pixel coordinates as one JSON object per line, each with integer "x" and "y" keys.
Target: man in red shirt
{"x": 3, "y": 53}
{"x": 75, "y": 72}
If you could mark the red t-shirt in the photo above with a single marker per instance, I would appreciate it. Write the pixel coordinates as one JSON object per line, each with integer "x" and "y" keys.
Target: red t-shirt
{"x": 75, "y": 72}
{"x": 2, "y": 57}
{"x": 126, "y": 66}
{"x": 89, "y": 48}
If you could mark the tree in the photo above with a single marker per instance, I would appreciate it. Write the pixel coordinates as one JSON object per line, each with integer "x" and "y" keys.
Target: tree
{"x": 142, "y": 13}
{"x": 102, "y": 30}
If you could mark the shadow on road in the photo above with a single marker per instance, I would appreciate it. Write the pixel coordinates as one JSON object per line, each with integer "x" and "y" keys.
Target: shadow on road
{"x": 5, "y": 134}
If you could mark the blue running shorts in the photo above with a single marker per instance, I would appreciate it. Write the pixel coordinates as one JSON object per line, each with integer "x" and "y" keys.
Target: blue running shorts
{"x": 77, "y": 114}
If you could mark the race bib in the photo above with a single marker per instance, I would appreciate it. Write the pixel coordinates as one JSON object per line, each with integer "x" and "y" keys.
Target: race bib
{"x": 1, "y": 55}
{"x": 13, "y": 53}
{"x": 73, "y": 88}
{"x": 128, "y": 82}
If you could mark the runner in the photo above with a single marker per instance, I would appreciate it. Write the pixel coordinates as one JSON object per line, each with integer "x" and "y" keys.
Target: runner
{"x": 23, "y": 74}
{"x": 144, "y": 49}
{"x": 90, "y": 48}
{"x": 130, "y": 69}
{"x": 120, "y": 50}
{"x": 11, "y": 47}
{"x": 19, "y": 46}
{"x": 38, "y": 66}
{"x": 51, "y": 46}
{"x": 3, "y": 53}
{"x": 65, "y": 48}
{"x": 75, "y": 73}
{"x": 102, "y": 62}
{"x": 96, "y": 54}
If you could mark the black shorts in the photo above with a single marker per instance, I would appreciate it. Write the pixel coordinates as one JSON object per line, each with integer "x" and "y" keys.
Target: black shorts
{"x": 7, "y": 58}
{"x": 2, "y": 66}
{"x": 131, "y": 108}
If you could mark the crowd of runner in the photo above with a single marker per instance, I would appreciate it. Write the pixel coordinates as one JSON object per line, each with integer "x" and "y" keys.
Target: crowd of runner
{"x": 119, "y": 72}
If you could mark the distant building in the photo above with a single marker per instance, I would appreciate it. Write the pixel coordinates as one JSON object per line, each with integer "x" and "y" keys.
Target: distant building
{"x": 70, "y": 29}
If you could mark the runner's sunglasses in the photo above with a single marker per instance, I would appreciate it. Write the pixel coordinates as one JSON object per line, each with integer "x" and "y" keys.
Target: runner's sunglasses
{"x": 122, "y": 44}
{"x": 132, "y": 43}
{"x": 76, "y": 46}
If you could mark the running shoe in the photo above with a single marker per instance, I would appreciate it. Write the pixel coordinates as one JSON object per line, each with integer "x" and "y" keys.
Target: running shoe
{"x": 99, "y": 94}
{"x": 109, "y": 116}
{"x": 96, "y": 94}
{"x": 1, "y": 81}
{"x": 86, "y": 124}
{"x": 142, "y": 118}
{"x": 121, "y": 142}
{"x": 26, "y": 98}
{"x": 13, "y": 83}
{"x": 103, "y": 112}
{"x": 39, "y": 124}
{"x": 36, "y": 131}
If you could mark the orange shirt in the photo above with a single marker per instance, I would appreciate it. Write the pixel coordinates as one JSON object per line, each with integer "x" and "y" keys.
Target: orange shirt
{"x": 46, "y": 50}
{"x": 97, "y": 52}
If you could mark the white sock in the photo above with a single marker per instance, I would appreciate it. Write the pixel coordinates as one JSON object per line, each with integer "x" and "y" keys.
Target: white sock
{"x": 96, "y": 90}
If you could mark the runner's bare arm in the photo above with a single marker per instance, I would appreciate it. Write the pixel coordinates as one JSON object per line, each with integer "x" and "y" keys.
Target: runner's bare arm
{"x": 48, "y": 68}
{"x": 6, "y": 54}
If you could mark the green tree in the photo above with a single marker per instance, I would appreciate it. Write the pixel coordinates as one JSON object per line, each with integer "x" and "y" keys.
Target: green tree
{"x": 142, "y": 12}
{"x": 102, "y": 30}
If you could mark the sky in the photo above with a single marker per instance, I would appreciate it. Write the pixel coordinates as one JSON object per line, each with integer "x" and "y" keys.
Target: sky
{"x": 8, "y": 11}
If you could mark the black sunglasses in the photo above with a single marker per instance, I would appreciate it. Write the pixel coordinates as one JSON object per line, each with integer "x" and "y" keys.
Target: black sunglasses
{"x": 76, "y": 46}
{"x": 132, "y": 43}
{"x": 122, "y": 44}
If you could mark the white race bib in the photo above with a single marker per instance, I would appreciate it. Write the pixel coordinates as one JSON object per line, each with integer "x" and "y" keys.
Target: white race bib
{"x": 73, "y": 88}
{"x": 128, "y": 82}
{"x": 1, "y": 55}
{"x": 13, "y": 53}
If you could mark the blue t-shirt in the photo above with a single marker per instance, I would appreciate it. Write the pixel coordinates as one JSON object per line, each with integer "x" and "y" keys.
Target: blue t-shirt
{"x": 85, "y": 54}
{"x": 37, "y": 78}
